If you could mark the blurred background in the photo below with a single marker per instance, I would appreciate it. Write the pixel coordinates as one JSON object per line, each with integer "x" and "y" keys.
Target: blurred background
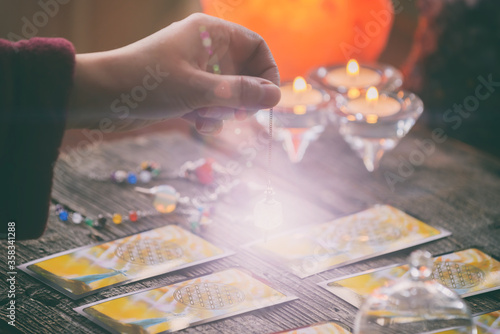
{"x": 441, "y": 45}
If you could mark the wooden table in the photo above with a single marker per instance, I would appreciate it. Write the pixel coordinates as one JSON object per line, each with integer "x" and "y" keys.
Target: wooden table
{"x": 456, "y": 187}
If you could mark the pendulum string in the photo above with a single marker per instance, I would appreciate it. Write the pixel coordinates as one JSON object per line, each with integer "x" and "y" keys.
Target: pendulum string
{"x": 270, "y": 191}
{"x": 269, "y": 152}
{"x": 268, "y": 212}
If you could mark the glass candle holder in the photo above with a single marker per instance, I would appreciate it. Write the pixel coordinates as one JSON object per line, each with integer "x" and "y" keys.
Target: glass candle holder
{"x": 337, "y": 78}
{"x": 299, "y": 118}
{"x": 415, "y": 304}
{"x": 372, "y": 128}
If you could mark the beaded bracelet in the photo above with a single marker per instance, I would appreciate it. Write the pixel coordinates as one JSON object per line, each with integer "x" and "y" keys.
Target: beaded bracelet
{"x": 166, "y": 200}
{"x": 197, "y": 220}
{"x": 147, "y": 171}
{"x": 203, "y": 171}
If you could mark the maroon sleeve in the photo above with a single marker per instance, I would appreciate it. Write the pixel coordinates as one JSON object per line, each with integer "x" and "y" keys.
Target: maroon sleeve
{"x": 35, "y": 82}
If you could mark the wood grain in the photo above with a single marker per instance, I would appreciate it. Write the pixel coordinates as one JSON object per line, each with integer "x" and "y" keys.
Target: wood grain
{"x": 456, "y": 187}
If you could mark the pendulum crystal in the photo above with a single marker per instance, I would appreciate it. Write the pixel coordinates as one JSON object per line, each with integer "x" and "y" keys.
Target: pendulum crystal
{"x": 268, "y": 212}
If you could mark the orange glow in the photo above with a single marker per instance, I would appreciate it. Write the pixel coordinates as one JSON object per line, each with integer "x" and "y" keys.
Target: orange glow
{"x": 352, "y": 68}
{"x": 303, "y": 34}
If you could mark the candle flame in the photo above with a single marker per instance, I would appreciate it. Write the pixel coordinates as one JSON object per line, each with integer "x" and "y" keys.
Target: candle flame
{"x": 372, "y": 95}
{"x": 299, "y": 85}
{"x": 352, "y": 68}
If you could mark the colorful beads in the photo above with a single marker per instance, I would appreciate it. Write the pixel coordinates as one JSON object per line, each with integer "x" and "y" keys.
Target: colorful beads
{"x": 145, "y": 176}
{"x": 132, "y": 178}
{"x": 119, "y": 176}
{"x": 117, "y": 218}
{"x": 63, "y": 215}
{"x": 151, "y": 167}
{"x": 132, "y": 216}
{"x": 146, "y": 172}
{"x": 100, "y": 222}
{"x": 205, "y": 173}
{"x": 76, "y": 218}
{"x": 58, "y": 209}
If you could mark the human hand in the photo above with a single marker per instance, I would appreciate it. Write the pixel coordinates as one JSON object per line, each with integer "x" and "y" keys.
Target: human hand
{"x": 170, "y": 75}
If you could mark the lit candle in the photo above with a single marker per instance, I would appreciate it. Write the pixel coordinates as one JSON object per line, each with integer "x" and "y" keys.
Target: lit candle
{"x": 299, "y": 95}
{"x": 373, "y": 106}
{"x": 353, "y": 76}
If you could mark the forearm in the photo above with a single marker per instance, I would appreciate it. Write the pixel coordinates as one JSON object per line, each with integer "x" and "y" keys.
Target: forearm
{"x": 93, "y": 90}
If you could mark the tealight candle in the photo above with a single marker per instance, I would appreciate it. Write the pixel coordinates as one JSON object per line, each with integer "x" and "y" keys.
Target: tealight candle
{"x": 299, "y": 95}
{"x": 353, "y": 76}
{"x": 373, "y": 106}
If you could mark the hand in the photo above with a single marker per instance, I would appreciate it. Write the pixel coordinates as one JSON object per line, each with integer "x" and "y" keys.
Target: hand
{"x": 170, "y": 75}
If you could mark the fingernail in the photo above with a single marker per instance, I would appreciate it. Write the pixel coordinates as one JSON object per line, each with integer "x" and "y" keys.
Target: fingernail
{"x": 270, "y": 94}
{"x": 208, "y": 127}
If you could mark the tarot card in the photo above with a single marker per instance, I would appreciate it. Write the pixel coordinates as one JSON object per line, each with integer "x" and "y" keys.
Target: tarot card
{"x": 379, "y": 230}
{"x": 83, "y": 271}
{"x": 468, "y": 272}
{"x": 488, "y": 323}
{"x": 321, "y": 328}
{"x": 185, "y": 304}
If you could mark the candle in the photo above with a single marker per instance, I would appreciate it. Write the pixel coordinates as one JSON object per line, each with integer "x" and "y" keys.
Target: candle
{"x": 373, "y": 106}
{"x": 353, "y": 76}
{"x": 299, "y": 95}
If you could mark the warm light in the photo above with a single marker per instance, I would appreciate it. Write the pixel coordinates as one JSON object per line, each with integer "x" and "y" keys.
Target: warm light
{"x": 299, "y": 85}
{"x": 299, "y": 109}
{"x": 372, "y": 95}
{"x": 352, "y": 68}
{"x": 353, "y": 93}
{"x": 371, "y": 119}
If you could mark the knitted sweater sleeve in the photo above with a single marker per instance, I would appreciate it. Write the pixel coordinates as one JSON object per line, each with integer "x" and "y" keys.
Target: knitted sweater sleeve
{"x": 36, "y": 76}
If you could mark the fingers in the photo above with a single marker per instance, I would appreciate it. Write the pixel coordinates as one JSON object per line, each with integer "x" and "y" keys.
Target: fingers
{"x": 211, "y": 120}
{"x": 206, "y": 126}
{"x": 224, "y": 113}
{"x": 236, "y": 92}
{"x": 251, "y": 51}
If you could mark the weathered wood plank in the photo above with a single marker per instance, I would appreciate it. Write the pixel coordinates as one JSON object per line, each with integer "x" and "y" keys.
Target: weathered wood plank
{"x": 457, "y": 188}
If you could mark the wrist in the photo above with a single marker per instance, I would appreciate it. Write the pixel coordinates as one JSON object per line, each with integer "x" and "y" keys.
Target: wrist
{"x": 93, "y": 89}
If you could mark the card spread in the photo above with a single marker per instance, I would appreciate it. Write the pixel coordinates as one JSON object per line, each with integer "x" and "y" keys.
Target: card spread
{"x": 379, "y": 230}
{"x": 83, "y": 271}
{"x": 181, "y": 305}
{"x": 468, "y": 272}
{"x": 321, "y": 328}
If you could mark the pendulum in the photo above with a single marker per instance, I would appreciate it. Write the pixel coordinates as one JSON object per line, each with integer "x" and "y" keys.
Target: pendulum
{"x": 268, "y": 212}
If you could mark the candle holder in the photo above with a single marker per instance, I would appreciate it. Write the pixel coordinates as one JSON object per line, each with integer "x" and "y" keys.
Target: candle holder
{"x": 336, "y": 78}
{"x": 372, "y": 132}
{"x": 299, "y": 118}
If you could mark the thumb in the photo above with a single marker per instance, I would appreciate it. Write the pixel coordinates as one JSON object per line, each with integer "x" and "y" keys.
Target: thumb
{"x": 235, "y": 91}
